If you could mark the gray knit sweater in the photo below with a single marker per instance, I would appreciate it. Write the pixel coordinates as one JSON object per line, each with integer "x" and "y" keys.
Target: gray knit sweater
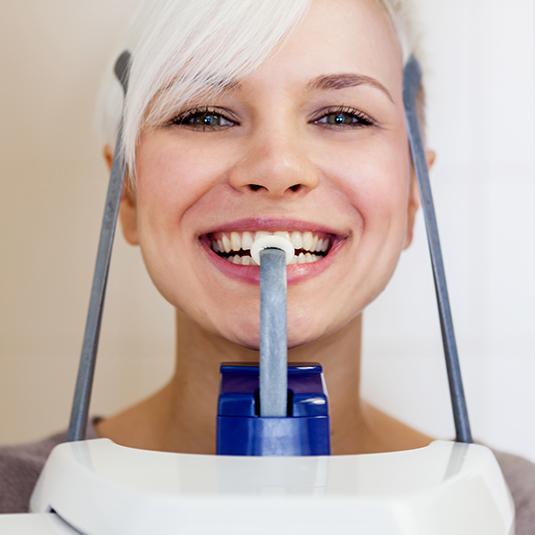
{"x": 20, "y": 467}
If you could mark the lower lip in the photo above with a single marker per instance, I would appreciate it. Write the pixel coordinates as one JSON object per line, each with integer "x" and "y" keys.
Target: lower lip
{"x": 251, "y": 274}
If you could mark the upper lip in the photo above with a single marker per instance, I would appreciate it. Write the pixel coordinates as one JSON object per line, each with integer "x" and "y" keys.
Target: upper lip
{"x": 273, "y": 224}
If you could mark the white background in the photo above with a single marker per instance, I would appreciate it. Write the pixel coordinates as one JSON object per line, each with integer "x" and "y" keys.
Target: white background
{"x": 479, "y": 61}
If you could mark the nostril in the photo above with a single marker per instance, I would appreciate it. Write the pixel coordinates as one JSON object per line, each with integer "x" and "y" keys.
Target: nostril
{"x": 255, "y": 187}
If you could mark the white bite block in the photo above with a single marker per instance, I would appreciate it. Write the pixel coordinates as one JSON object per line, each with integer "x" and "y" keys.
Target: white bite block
{"x": 272, "y": 242}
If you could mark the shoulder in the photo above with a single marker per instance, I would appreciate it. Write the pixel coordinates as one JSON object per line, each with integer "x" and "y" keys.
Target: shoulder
{"x": 20, "y": 466}
{"x": 519, "y": 474}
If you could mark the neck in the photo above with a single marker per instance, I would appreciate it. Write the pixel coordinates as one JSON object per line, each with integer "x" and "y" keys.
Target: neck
{"x": 181, "y": 417}
{"x": 192, "y": 393}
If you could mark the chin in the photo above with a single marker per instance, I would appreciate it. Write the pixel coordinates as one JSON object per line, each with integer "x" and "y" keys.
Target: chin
{"x": 300, "y": 332}
{"x": 242, "y": 331}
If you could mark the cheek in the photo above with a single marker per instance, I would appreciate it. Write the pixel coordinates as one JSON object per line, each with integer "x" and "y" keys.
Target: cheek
{"x": 374, "y": 182}
{"x": 374, "y": 178}
{"x": 171, "y": 177}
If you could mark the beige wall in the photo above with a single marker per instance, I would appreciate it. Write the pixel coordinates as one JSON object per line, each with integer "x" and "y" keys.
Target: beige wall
{"x": 53, "y": 186}
{"x": 481, "y": 90}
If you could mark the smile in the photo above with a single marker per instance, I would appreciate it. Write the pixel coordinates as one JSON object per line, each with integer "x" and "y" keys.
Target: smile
{"x": 235, "y": 247}
{"x": 228, "y": 248}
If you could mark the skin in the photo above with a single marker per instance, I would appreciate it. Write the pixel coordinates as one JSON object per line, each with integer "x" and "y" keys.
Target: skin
{"x": 278, "y": 159}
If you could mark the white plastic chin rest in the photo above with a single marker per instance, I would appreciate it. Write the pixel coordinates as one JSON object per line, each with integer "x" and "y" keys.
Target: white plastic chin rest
{"x": 99, "y": 487}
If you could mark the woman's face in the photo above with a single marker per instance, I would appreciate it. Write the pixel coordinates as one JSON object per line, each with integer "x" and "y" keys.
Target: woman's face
{"x": 313, "y": 143}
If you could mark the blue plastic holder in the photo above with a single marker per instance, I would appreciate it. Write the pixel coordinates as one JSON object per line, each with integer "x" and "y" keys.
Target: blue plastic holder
{"x": 240, "y": 429}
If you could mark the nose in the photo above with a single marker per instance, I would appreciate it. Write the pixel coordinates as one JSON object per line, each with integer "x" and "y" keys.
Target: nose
{"x": 274, "y": 166}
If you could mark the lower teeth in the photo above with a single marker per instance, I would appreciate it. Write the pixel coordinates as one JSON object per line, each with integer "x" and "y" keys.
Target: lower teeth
{"x": 303, "y": 258}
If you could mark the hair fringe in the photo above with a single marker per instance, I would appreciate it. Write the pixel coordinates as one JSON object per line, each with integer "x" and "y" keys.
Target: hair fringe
{"x": 181, "y": 51}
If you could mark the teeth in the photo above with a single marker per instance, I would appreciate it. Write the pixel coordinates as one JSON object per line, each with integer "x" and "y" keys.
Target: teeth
{"x": 241, "y": 260}
{"x": 302, "y": 258}
{"x": 235, "y": 241}
{"x": 261, "y": 234}
{"x": 283, "y": 234}
{"x": 247, "y": 241}
{"x": 297, "y": 240}
{"x": 225, "y": 242}
{"x": 308, "y": 240}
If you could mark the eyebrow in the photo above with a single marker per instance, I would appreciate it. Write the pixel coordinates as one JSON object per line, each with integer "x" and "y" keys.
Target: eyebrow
{"x": 344, "y": 80}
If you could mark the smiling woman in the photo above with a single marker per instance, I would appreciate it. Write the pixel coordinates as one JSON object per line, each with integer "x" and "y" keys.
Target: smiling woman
{"x": 262, "y": 140}
{"x": 246, "y": 118}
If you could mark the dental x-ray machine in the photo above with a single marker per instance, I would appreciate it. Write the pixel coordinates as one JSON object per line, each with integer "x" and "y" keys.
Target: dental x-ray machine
{"x": 273, "y": 472}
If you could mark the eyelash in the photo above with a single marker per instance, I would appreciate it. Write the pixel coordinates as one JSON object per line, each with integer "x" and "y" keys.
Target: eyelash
{"x": 196, "y": 112}
{"x": 363, "y": 119}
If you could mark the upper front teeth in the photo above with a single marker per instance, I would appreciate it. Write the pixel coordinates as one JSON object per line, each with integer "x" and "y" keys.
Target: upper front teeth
{"x": 226, "y": 242}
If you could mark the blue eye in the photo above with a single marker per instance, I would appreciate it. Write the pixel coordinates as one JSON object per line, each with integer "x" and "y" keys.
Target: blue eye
{"x": 203, "y": 119}
{"x": 340, "y": 118}
{"x": 344, "y": 117}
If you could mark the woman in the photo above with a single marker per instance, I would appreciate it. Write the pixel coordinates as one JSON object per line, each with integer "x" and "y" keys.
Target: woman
{"x": 271, "y": 116}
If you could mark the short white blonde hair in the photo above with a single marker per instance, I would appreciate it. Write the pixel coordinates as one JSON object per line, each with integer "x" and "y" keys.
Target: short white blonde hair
{"x": 184, "y": 48}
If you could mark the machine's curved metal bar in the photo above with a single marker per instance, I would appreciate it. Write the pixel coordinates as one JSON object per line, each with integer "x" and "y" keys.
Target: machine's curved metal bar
{"x": 273, "y": 334}
{"x": 412, "y": 77}
{"x": 80, "y": 408}
{"x": 86, "y": 369}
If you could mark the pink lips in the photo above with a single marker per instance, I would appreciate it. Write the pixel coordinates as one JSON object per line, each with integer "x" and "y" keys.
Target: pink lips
{"x": 251, "y": 274}
{"x": 273, "y": 224}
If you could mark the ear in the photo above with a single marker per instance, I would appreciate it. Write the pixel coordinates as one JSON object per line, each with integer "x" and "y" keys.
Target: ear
{"x": 128, "y": 208}
{"x": 414, "y": 198}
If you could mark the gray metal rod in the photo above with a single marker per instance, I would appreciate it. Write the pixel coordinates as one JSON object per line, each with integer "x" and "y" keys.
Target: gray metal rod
{"x": 411, "y": 84}
{"x": 84, "y": 382}
{"x": 273, "y": 334}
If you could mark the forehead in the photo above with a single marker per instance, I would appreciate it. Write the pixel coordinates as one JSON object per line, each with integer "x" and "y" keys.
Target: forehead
{"x": 337, "y": 36}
